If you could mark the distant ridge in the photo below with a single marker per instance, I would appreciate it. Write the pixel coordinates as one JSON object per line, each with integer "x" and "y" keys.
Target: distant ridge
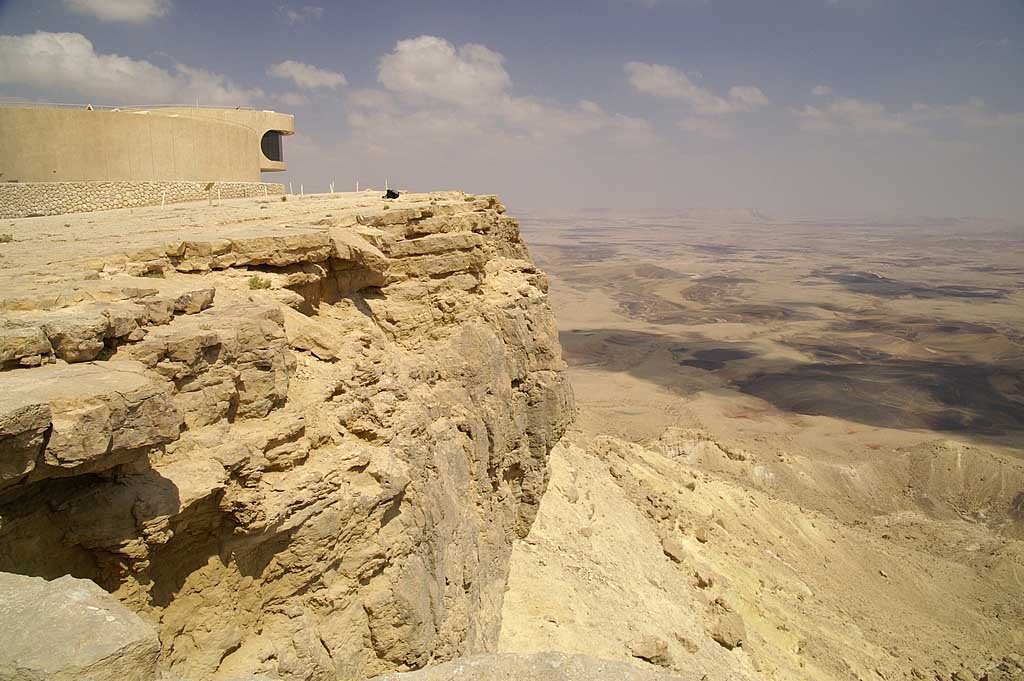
{"x": 740, "y": 215}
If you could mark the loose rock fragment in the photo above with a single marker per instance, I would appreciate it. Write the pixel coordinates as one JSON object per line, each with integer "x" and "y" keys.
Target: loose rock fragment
{"x": 725, "y": 626}
{"x": 652, "y": 649}
{"x": 673, "y": 549}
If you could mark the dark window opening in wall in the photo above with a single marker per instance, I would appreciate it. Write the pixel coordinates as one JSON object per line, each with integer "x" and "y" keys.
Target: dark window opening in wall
{"x": 271, "y": 145}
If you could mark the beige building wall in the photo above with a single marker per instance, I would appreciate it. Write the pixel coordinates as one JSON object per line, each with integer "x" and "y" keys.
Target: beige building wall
{"x": 259, "y": 121}
{"x": 162, "y": 144}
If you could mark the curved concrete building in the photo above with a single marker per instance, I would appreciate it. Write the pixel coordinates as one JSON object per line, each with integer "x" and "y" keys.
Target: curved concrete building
{"x": 66, "y": 160}
{"x": 46, "y": 144}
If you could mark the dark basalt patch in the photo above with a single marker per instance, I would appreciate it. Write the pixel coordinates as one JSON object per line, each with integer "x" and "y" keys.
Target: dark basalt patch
{"x": 708, "y": 360}
{"x": 725, "y": 280}
{"x": 873, "y": 284}
{"x": 718, "y": 249}
{"x": 761, "y": 313}
{"x": 893, "y": 393}
{"x": 998, "y": 269}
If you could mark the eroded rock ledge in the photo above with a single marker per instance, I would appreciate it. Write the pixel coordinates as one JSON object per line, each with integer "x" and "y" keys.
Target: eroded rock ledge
{"x": 297, "y": 439}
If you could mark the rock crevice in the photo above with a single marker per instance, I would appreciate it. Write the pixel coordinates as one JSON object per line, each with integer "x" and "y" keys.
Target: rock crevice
{"x": 298, "y": 450}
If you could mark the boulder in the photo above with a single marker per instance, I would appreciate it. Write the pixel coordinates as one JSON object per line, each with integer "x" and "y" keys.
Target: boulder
{"x": 71, "y": 630}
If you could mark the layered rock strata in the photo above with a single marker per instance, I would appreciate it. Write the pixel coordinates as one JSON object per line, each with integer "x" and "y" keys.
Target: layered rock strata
{"x": 297, "y": 438}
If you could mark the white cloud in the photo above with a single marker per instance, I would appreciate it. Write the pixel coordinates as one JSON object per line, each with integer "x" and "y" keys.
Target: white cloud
{"x": 67, "y": 64}
{"x": 128, "y": 11}
{"x": 432, "y": 67}
{"x": 300, "y": 15}
{"x": 747, "y": 97}
{"x": 436, "y": 92}
{"x": 707, "y": 127}
{"x": 821, "y": 91}
{"x": 306, "y": 75}
{"x": 667, "y": 82}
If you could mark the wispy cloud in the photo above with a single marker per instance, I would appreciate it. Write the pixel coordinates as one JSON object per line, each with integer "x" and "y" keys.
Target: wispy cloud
{"x": 864, "y": 115}
{"x": 307, "y": 76}
{"x": 126, "y": 11}
{"x": 707, "y": 127}
{"x": 301, "y": 14}
{"x": 1003, "y": 43}
{"x": 668, "y": 82}
{"x": 291, "y": 99}
{"x": 651, "y": 4}
{"x": 850, "y": 113}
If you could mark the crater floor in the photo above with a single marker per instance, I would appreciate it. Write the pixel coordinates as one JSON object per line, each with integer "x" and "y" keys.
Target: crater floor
{"x": 800, "y": 449}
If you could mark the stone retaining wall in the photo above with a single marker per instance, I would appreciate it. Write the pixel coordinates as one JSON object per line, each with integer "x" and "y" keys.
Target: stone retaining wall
{"x": 29, "y": 199}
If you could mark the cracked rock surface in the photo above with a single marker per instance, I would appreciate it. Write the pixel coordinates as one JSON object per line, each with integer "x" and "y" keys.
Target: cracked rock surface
{"x": 295, "y": 438}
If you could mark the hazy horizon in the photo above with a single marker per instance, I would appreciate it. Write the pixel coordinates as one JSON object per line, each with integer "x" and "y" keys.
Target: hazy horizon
{"x": 819, "y": 107}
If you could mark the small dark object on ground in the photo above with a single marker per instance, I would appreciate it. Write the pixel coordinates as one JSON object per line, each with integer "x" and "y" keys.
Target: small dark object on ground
{"x": 391, "y": 194}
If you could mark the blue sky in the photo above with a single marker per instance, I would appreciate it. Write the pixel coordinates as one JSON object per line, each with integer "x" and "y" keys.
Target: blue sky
{"x": 814, "y": 106}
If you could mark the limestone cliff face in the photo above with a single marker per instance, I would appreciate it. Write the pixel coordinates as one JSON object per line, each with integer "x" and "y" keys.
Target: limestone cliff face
{"x": 299, "y": 443}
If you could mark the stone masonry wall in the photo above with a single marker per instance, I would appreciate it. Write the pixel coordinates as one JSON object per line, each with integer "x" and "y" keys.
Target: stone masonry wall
{"x": 29, "y": 199}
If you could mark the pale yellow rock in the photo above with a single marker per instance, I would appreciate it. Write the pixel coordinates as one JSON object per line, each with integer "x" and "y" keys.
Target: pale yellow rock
{"x": 17, "y": 343}
{"x": 548, "y": 666}
{"x": 71, "y": 630}
{"x": 96, "y": 415}
{"x": 652, "y": 649}
{"x": 76, "y": 336}
{"x": 309, "y": 447}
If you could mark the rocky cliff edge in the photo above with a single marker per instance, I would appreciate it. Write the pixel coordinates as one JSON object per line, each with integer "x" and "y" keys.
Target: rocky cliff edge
{"x": 297, "y": 438}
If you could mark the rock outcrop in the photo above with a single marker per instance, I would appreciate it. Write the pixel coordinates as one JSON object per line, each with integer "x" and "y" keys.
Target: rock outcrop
{"x": 676, "y": 552}
{"x": 71, "y": 630}
{"x": 296, "y": 438}
{"x": 536, "y": 667}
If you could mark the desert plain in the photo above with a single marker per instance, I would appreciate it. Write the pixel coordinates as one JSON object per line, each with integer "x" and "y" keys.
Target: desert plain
{"x": 799, "y": 451}
{"x": 333, "y": 437}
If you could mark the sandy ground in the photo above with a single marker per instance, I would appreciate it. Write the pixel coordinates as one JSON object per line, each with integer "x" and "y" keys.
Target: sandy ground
{"x": 800, "y": 450}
